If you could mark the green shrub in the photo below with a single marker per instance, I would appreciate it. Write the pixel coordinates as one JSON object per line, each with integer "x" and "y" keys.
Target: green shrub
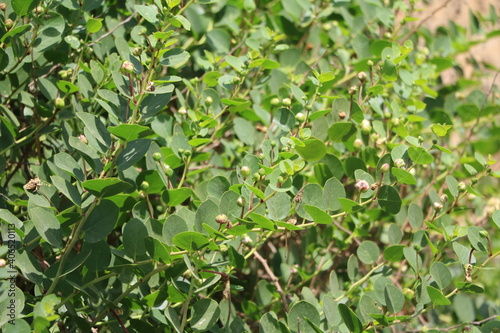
{"x": 243, "y": 165}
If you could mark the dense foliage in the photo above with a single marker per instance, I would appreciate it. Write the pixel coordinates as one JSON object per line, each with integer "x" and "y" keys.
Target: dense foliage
{"x": 244, "y": 165}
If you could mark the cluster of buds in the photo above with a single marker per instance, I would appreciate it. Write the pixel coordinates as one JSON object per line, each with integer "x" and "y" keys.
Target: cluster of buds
{"x": 33, "y": 184}
{"x": 222, "y": 219}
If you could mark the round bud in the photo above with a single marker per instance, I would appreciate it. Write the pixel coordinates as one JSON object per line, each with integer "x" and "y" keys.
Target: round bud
{"x": 373, "y": 186}
{"x": 246, "y": 240}
{"x": 420, "y": 139}
{"x": 168, "y": 170}
{"x": 144, "y": 186}
{"x": 474, "y": 181}
{"x": 262, "y": 172}
{"x": 181, "y": 151}
{"x": 362, "y": 185}
{"x": 59, "y": 103}
{"x": 245, "y": 171}
{"x": 208, "y": 101}
{"x": 342, "y": 115}
{"x": 357, "y": 144}
{"x": 417, "y": 247}
{"x": 3, "y": 6}
{"x": 137, "y": 51}
{"x": 326, "y": 26}
{"x": 286, "y": 101}
{"x": 385, "y": 167}
{"x": 157, "y": 156}
{"x": 366, "y": 127}
{"x": 182, "y": 110}
{"x": 3, "y": 263}
{"x": 187, "y": 153}
{"x": 261, "y": 156}
{"x": 127, "y": 67}
{"x": 362, "y": 77}
{"x": 83, "y": 139}
{"x": 409, "y": 294}
{"x": 395, "y": 121}
{"x": 353, "y": 90}
{"x": 221, "y": 219}
{"x": 369, "y": 63}
{"x": 275, "y": 101}
{"x": 38, "y": 10}
{"x": 434, "y": 141}
{"x": 223, "y": 248}
{"x": 241, "y": 202}
{"x": 483, "y": 233}
{"x": 281, "y": 179}
{"x": 388, "y": 35}
{"x": 399, "y": 163}
{"x": 9, "y": 23}
{"x": 374, "y": 136}
{"x": 300, "y": 117}
{"x": 273, "y": 143}
{"x": 256, "y": 177}
{"x": 236, "y": 79}
{"x": 437, "y": 206}
{"x": 443, "y": 198}
{"x": 462, "y": 187}
{"x": 387, "y": 115}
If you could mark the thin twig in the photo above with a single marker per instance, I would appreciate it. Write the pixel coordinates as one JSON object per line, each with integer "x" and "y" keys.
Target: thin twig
{"x": 128, "y": 19}
{"x": 273, "y": 278}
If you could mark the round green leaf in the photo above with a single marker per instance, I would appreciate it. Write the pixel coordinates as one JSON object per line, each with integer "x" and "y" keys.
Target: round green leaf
{"x": 204, "y": 315}
{"x": 298, "y": 313}
{"x": 314, "y": 150}
{"x": 190, "y": 241}
{"x": 368, "y": 252}
{"x": 389, "y": 200}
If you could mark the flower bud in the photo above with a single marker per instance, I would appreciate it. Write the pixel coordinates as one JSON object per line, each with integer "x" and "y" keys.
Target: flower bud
{"x": 208, "y": 101}
{"x": 137, "y": 51}
{"x": 245, "y": 171}
{"x": 300, "y": 117}
{"x": 417, "y": 247}
{"x": 443, "y": 198}
{"x": 256, "y": 177}
{"x": 369, "y": 63}
{"x": 357, "y": 144}
{"x": 362, "y": 185}
{"x": 3, "y": 263}
{"x": 3, "y": 6}
{"x": 127, "y": 67}
{"x": 187, "y": 153}
{"x": 275, "y": 101}
{"x": 262, "y": 172}
{"x": 326, "y": 26}
{"x": 157, "y": 156}
{"x": 241, "y": 202}
{"x": 38, "y": 10}
{"x": 387, "y": 115}
{"x": 366, "y": 126}
{"x": 409, "y": 294}
{"x": 483, "y": 233}
{"x": 362, "y": 77}
{"x": 385, "y": 167}
{"x": 182, "y": 110}
{"x": 462, "y": 187}
{"x": 353, "y": 90}
{"x": 261, "y": 156}
{"x": 395, "y": 121}
{"x": 437, "y": 206}
{"x": 168, "y": 170}
{"x": 273, "y": 143}
{"x": 223, "y": 248}
{"x": 286, "y": 101}
{"x": 342, "y": 115}
{"x": 144, "y": 186}
{"x": 9, "y": 23}
{"x": 59, "y": 103}
{"x": 83, "y": 139}
{"x": 221, "y": 219}
{"x": 399, "y": 163}
{"x": 374, "y": 136}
